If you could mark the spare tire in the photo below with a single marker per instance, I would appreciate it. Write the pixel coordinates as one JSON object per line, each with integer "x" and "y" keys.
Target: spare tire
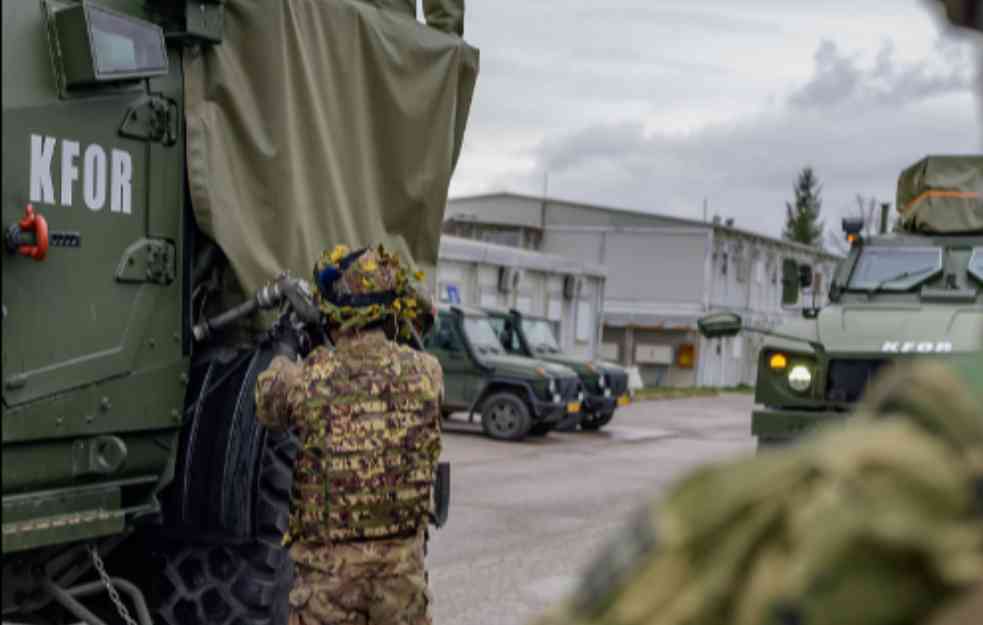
{"x": 227, "y": 509}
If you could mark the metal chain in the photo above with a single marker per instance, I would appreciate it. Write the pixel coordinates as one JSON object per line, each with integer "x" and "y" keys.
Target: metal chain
{"x": 108, "y": 583}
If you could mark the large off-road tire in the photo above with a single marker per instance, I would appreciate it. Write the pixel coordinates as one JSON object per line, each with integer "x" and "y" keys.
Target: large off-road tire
{"x": 595, "y": 422}
{"x": 222, "y": 557}
{"x": 214, "y": 584}
{"x": 505, "y": 417}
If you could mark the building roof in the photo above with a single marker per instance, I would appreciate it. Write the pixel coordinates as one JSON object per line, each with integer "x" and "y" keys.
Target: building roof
{"x": 682, "y": 221}
{"x": 469, "y": 250}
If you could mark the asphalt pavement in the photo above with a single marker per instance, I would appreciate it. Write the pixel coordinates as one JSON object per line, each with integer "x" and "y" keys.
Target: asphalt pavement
{"x": 526, "y": 518}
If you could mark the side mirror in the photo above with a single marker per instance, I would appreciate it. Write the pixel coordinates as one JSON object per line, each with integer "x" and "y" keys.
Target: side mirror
{"x": 805, "y": 276}
{"x": 718, "y": 325}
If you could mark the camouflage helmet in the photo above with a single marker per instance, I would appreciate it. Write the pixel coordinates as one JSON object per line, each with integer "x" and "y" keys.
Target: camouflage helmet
{"x": 426, "y": 312}
{"x": 356, "y": 289}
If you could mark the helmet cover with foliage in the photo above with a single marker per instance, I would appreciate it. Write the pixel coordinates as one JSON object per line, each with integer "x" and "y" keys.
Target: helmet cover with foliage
{"x": 364, "y": 287}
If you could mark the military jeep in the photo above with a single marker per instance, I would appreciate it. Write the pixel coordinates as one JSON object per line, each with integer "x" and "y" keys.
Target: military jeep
{"x": 514, "y": 395}
{"x": 605, "y": 384}
{"x": 916, "y": 292}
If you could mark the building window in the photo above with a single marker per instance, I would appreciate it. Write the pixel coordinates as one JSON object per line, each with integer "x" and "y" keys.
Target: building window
{"x": 723, "y": 265}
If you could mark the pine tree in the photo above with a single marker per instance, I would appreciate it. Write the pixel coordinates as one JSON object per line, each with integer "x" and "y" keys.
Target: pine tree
{"x": 802, "y": 223}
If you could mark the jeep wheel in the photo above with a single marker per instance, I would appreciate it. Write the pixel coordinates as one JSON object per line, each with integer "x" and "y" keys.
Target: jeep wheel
{"x": 505, "y": 417}
{"x": 594, "y": 422}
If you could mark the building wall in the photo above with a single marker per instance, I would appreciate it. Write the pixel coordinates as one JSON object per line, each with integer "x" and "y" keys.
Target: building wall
{"x": 540, "y": 291}
{"x": 663, "y": 273}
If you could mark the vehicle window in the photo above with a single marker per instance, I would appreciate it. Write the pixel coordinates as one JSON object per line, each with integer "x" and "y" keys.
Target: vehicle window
{"x": 976, "y": 263}
{"x": 443, "y": 337}
{"x": 539, "y": 333}
{"x": 895, "y": 268}
{"x": 481, "y": 334}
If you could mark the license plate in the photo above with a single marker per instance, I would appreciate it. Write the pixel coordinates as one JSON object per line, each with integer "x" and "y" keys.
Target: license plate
{"x": 624, "y": 400}
{"x": 573, "y": 406}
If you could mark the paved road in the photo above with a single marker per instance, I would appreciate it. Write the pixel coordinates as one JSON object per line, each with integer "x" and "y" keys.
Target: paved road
{"x": 526, "y": 518}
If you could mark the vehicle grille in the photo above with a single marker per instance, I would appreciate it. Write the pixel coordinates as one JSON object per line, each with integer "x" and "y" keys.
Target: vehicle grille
{"x": 848, "y": 379}
{"x": 568, "y": 388}
{"x": 617, "y": 382}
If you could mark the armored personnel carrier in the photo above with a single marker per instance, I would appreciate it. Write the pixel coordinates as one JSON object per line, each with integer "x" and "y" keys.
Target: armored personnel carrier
{"x": 164, "y": 162}
{"x": 912, "y": 293}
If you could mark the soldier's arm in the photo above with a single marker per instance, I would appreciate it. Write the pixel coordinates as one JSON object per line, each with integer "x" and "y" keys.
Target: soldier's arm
{"x": 276, "y": 390}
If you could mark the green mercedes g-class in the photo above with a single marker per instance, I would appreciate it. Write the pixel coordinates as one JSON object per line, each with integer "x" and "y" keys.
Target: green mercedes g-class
{"x": 605, "y": 384}
{"x": 514, "y": 395}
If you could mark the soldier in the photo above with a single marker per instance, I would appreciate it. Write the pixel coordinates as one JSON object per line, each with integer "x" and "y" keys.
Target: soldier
{"x": 876, "y": 522}
{"x": 368, "y": 420}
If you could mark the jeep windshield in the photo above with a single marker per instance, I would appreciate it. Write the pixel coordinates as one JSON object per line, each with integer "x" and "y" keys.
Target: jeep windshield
{"x": 894, "y": 268}
{"x": 539, "y": 335}
{"x": 481, "y": 335}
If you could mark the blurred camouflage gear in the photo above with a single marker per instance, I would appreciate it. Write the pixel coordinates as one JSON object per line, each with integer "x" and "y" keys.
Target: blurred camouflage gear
{"x": 874, "y": 523}
{"x": 380, "y": 581}
{"x": 425, "y": 311}
{"x": 369, "y": 427}
{"x": 357, "y": 289}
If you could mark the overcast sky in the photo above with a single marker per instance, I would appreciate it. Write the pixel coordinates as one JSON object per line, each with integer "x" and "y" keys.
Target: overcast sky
{"x": 658, "y": 104}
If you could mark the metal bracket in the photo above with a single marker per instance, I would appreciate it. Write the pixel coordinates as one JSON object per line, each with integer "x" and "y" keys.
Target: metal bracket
{"x": 148, "y": 260}
{"x": 152, "y": 118}
{"x": 102, "y": 455}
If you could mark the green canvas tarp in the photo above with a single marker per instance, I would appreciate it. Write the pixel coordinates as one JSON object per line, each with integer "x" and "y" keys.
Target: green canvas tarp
{"x": 942, "y": 194}
{"x": 316, "y": 122}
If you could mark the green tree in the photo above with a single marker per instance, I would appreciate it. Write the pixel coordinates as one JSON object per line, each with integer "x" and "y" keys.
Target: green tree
{"x": 802, "y": 223}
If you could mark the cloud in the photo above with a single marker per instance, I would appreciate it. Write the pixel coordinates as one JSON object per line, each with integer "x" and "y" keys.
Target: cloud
{"x": 840, "y": 79}
{"x": 858, "y": 125}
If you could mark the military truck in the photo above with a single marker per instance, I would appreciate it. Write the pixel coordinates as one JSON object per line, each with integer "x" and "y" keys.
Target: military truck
{"x": 912, "y": 293}
{"x": 514, "y": 395}
{"x": 164, "y": 162}
{"x": 605, "y": 384}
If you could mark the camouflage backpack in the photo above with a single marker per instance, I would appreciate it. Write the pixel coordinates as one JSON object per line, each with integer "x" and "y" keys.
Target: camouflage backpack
{"x": 877, "y": 522}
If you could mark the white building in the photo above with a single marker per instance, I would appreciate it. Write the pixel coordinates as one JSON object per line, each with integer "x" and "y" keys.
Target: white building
{"x": 663, "y": 273}
{"x": 568, "y": 293}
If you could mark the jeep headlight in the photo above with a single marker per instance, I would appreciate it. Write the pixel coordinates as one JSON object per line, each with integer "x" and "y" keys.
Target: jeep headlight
{"x": 800, "y": 378}
{"x": 551, "y": 386}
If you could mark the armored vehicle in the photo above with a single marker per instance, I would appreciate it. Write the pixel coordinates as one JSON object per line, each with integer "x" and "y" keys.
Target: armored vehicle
{"x": 605, "y": 384}
{"x": 164, "y": 161}
{"x": 912, "y": 293}
{"x": 514, "y": 395}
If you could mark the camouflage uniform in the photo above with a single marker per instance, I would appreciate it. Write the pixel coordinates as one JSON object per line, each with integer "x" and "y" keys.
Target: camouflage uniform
{"x": 878, "y": 522}
{"x": 367, "y": 417}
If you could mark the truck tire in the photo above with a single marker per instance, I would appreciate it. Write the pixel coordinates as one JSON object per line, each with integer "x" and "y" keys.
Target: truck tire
{"x": 215, "y": 584}
{"x": 228, "y": 507}
{"x": 595, "y": 422}
{"x": 505, "y": 417}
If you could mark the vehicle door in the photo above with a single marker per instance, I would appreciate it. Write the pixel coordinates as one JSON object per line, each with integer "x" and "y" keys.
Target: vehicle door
{"x": 101, "y": 163}
{"x": 447, "y": 345}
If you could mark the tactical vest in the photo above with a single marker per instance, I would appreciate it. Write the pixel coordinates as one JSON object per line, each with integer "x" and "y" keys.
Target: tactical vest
{"x": 370, "y": 433}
